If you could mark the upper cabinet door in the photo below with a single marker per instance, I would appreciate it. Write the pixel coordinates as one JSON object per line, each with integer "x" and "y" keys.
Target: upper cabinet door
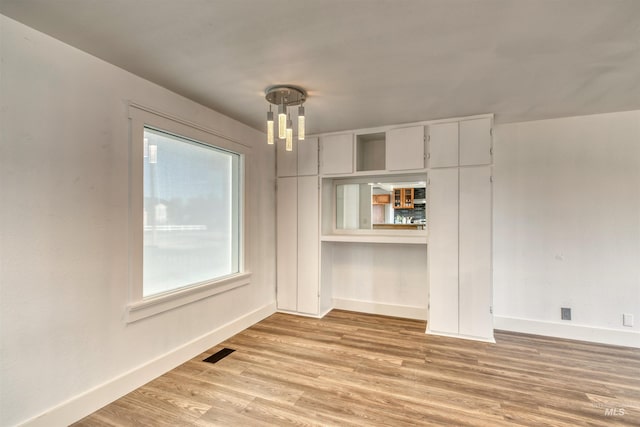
{"x": 475, "y": 142}
{"x": 307, "y": 156}
{"x": 443, "y": 145}
{"x": 405, "y": 148}
{"x": 287, "y": 161}
{"x": 336, "y": 154}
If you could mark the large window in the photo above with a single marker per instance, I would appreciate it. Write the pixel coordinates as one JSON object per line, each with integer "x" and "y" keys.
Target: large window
{"x": 191, "y": 211}
{"x": 186, "y": 213}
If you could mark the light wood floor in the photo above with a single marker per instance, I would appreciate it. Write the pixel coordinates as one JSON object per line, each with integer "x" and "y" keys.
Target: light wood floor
{"x": 358, "y": 369}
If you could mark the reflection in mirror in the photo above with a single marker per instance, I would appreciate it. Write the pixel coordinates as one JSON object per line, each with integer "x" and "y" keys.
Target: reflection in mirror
{"x": 381, "y": 206}
{"x": 353, "y": 202}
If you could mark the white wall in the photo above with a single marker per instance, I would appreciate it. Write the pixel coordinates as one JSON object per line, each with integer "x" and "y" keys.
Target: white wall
{"x": 567, "y": 226}
{"x": 63, "y": 224}
{"x": 388, "y": 279}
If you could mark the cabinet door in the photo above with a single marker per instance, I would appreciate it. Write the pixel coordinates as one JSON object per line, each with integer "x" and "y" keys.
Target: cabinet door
{"x": 475, "y": 142}
{"x": 475, "y": 252}
{"x": 397, "y": 198}
{"x": 442, "y": 251}
{"x": 405, "y": 148}
{"x": 286, "y": 161}
{"x": 336, "y": 153}
{"x": 308, "y": 245}
{"x": 307, "y": 156}
{"x": 287, "y": 243}
{"x": 443, "y": 145}
{"x": 381, "y": 199}
{"x": 408, "y": 198}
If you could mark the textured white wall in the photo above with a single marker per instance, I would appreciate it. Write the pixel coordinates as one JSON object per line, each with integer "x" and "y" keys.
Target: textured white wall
{"x": 63, "y": 224}
{"x": 567, "y": 220}
{"x": 392, "y": 274}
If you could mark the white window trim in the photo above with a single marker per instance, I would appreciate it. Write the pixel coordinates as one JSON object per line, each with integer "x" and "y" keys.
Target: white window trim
{"x": 138, "y": 306}
{"x": 163, "y": 302}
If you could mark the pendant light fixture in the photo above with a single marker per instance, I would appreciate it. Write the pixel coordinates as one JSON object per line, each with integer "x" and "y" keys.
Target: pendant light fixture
{"x": 282, "y": 121}
{"x": 289, "y": 136}
{"x": 285, "y": 96}
{"x": 301, "y": 123}
{"x": 270, "y": 126}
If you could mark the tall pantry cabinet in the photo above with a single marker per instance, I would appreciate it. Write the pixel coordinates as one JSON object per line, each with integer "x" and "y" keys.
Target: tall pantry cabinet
{"x": 297, "y": 245}
{"x": 460, "y": 222}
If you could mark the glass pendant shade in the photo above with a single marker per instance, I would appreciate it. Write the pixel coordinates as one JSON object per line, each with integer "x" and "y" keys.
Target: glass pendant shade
{"x": 301, "y": 123}
{"x": 282, "y": 122}
{"x": 289, "y": 137}
{"x": 270, "y": 127}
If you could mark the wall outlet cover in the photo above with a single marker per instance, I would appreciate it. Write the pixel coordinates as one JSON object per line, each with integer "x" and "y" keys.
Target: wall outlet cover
{"x": 627, "y": 320}
{"x": 565, "y": 313}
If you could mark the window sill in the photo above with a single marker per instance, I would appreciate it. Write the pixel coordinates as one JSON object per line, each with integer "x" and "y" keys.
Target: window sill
{"x": 164, "y": 302}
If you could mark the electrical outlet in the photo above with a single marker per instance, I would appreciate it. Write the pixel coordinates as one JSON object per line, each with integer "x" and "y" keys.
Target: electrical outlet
{"x": 565, "y": 313}
{"x": 627, "y": 320}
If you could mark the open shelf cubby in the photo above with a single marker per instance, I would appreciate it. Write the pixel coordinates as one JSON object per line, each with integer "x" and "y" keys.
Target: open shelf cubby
{"x": 370, "y": 152}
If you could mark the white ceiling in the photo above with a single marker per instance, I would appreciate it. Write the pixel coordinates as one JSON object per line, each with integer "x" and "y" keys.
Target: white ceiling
{"x": 366, "y": 63}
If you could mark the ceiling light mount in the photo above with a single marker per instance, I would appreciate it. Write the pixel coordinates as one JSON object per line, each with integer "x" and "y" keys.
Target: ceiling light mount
{"x": 285, "y": 94}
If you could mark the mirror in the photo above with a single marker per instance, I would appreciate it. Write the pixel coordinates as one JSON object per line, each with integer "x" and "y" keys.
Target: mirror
{"x": 396, "y": 205}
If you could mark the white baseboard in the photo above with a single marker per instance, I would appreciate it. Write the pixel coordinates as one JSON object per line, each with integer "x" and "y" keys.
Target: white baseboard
{"x": 82, "y": 405}
{"x": 464, "y": 337}
{"x": 568, "y": 331}
{"x": 406, "y": 311}
{"x": 315, "y": 316}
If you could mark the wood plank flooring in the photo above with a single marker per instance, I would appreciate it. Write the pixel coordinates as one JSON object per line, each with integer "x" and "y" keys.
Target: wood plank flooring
{"x": 354, "y": 369}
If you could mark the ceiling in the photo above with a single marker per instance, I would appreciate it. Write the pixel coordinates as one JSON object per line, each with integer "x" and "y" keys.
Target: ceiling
{"x": 366, "y": 63}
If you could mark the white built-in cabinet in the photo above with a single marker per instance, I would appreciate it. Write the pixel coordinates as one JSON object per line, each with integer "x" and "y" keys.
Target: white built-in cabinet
{"x": 475, "y": 142}
{"x": 287, "y": 243}
{"x": 298, "y": 228}
{"x": 405, "y": 148}
{"x": 456, "y": 156}
{"x": 460, "y": 220}
{"x": 443, "y": 145}
{"x": 442, "y": 250}
{"x": 302, "y": 161}
{"x": 397, "y": 149}
{"x": 460, "y": 143}
{"x": 298, "y": 244}
{"x": 459, "y": 252}
{"x": 474, "y": 256}
{"x": 336, "y": 154}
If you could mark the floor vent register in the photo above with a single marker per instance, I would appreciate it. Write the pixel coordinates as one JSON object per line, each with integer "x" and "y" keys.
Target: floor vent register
{"x": 214, "y": 358}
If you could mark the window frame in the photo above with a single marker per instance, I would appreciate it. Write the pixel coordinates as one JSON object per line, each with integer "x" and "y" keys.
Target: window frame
{"x": 140, "y": 307}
